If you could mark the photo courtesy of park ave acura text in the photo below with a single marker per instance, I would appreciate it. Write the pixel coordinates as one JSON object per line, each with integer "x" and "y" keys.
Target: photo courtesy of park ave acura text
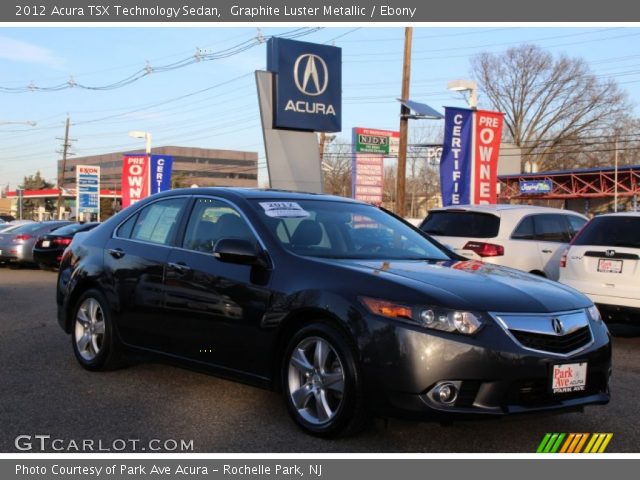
{"x": 294, "y": 236}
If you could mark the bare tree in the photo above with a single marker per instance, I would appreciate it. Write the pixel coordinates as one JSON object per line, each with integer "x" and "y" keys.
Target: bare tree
{"x": 336, "y": 167}
{"x": 550, "y": 104}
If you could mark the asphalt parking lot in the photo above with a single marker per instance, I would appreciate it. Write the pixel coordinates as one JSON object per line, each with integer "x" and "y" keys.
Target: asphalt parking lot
{"x": 45, "y": 392}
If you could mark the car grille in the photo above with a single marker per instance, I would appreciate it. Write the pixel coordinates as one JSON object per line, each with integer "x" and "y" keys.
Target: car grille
{"x": 553, "y": 343}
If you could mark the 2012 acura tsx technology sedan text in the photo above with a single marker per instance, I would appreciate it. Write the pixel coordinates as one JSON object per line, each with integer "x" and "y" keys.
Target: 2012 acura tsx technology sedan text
{"x": 345, "y": 308}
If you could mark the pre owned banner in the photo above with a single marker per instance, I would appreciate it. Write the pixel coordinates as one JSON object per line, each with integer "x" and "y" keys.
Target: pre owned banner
{"x": 456, "y": 160}
{"x": 469, "y": 163}
{"x": 135, "y": 179}
{"x": 487, "y": 135}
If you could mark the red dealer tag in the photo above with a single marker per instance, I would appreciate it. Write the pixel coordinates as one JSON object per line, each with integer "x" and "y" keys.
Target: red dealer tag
{"x": 487, "y": 135}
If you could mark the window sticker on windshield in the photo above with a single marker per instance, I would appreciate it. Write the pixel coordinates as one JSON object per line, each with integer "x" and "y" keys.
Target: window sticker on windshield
{"x": 283, "y": 210}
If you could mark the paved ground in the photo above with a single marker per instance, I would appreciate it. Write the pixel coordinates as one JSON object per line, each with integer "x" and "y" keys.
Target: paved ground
{"x": 45, "y": 392}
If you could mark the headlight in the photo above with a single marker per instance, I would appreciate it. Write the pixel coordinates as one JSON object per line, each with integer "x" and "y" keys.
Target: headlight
{"x": 594, "y": 314}
{"x": 435, "y": 318}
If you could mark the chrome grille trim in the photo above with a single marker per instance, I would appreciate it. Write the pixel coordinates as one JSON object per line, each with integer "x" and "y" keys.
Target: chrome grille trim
{"x": 541, "y": 324}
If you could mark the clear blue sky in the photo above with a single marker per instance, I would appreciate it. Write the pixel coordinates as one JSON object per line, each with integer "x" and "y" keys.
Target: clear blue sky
{"x": 227, "y": 116}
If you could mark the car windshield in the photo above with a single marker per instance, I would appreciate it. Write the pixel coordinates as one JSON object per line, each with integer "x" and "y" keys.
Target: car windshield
{"x": 332, "y": 229}
{"x": 611, "y": 231}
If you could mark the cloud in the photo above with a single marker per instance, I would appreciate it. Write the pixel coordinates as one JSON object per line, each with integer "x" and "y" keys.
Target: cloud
{"x": 19, "y": 51}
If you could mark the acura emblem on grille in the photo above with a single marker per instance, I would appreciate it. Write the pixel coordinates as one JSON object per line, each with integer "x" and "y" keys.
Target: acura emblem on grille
{"x": 556, "y": 323}
{"x": 610, "y": 253}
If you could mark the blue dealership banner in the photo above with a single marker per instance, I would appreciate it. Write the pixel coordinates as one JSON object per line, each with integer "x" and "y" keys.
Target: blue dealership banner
{"x": 457, "y": 153}
{"x": 160, "y": 173}
{"x": 535, "y": 187}
{"x": 308, "y": 85}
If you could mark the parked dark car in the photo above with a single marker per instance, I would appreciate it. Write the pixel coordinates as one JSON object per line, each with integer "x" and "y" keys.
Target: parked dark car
{"x": 268, "y": 287}
{"x": 7, "y": 218}
{"x": 47, "y": 251}
{"x": 16, "y": 245}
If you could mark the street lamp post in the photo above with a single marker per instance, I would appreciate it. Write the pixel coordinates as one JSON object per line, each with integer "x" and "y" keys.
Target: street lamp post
{"x": 463, "y": 85}
{"x": 147, "y": 139}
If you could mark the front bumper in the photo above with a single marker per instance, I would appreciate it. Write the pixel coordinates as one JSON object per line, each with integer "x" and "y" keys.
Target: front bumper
{"x": 495, "y": 375}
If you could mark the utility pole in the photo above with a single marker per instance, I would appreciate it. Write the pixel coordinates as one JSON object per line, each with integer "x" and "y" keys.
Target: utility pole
{"x": 65, "y": 151}
{"x": 615, "y": 180}
{"x": 404, "y": 125}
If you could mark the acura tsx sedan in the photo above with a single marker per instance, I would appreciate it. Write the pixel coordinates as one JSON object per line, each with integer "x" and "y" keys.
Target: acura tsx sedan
{"x": 345, "y": 308}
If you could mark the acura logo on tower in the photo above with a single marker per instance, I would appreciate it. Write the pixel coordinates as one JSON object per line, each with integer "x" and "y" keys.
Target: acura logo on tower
{"x": 556, "y": 323}
{"x": 311, "y": 74}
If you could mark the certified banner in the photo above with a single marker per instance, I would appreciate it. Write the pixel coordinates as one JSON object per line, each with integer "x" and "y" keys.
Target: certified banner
{"x": 135, "y": 179}
{"x": 487, "y": 135}
{"x": 161, "y": 166}
{"x": 457, "y": 153}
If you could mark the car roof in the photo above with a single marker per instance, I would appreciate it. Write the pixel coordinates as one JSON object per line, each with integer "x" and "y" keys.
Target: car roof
{"x": 261, "y": 193}
{"x": 499, "y": 208}
{"x": 620, "y": 214}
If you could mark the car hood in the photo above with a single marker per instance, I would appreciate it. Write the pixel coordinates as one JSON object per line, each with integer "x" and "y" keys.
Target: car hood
{"x": 475, "y": 285}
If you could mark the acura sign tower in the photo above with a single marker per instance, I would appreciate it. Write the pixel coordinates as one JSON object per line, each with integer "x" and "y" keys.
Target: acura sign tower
{"x": 301, "y": 94}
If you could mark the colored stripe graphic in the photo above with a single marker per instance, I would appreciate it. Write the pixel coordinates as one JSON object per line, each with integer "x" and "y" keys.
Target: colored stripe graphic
{"x": 574, "y": 443}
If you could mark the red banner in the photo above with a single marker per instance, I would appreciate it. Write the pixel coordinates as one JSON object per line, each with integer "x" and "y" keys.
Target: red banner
{"x": 135, "y": 179}
{"x": 487, "y": 135}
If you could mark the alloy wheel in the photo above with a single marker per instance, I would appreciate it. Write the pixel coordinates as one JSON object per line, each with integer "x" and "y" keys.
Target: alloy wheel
{"x": 89, "y": 329}
{"x": 316, "y": 380}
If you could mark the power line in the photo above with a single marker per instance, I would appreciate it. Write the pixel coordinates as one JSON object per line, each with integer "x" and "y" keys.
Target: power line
{"x": 148, "y": 69}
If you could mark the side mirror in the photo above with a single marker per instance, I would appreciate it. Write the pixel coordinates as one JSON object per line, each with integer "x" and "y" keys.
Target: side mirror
{"x": 237, "y": 250}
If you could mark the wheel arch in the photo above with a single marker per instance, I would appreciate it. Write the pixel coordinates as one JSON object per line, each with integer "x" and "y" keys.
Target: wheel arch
{"x": 293, "y": 323}
{"x": 78, "y": 289}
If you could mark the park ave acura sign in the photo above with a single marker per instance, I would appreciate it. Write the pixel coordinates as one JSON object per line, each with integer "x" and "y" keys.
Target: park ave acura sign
{"x": 308, "y": 85}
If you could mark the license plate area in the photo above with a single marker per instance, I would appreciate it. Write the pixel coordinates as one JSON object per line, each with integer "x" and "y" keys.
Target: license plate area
{"x": 46, "y": 243}
{"x": 606, "y": 265}
{"x": 569, "y": 378}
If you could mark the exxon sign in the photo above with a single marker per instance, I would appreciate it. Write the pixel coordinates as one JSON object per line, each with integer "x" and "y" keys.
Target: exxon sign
{"x": 308, "y": 85}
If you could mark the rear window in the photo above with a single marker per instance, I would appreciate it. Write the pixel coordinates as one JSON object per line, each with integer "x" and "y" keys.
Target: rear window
{"x": 27, "y": 228}
{"x": 74, "y": 228}
{"x": 461, "y": 224}
{"x": 611, "y": 231}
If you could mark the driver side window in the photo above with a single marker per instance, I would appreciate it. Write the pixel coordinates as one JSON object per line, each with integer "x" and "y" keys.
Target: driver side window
{"x": 211, "y": 220}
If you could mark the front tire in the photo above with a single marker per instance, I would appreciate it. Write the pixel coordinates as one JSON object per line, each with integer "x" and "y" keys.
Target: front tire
{"x": 92, "y": 336}
{"x": 321, "y": 382}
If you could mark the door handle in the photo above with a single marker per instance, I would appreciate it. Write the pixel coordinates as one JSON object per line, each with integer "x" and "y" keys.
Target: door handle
{"x": 179, "y": 267}
{"x": 547, "y": 251}
{"x": 116, "y": 253}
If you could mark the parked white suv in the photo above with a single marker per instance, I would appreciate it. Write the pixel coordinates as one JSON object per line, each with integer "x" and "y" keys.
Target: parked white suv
{"x": 603, "y": 262}
{"x": 525, "y": 237}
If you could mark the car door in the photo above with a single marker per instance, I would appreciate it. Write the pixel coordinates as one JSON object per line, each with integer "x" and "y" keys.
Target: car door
{"x": 216, "y": 308}
{"x": 552, "y": 236}
{"x": 135, "y": 259}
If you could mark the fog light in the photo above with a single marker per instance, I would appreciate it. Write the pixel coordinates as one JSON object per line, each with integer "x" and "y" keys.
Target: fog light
{"x": 445, "y": 393}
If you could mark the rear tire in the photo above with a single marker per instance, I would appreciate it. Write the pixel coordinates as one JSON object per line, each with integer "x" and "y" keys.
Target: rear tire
{"x": 94, "y": 342}
{"x": 322, "y": 383}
